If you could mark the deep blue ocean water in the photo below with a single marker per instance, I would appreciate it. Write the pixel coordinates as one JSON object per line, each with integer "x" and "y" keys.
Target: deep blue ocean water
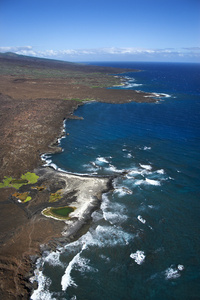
{"x": 144, "y": 241}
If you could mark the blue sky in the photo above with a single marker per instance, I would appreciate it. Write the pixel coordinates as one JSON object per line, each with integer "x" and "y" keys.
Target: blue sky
{"x": 102, "y": 30}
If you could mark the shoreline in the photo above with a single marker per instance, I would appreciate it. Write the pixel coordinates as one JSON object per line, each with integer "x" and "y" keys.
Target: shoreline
{"x": 88, "y": 197}
{"x": 87, "y": 194}
{"x": 33, "y": 125}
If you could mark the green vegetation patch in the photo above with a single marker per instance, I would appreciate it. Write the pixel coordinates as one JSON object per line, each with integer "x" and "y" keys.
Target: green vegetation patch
{"x": 6, "y": 182}
{"x": 18, "y": 182}
{"x": 39, "y": 188}
{"x": 55, "y": 196}
{"x": 31, "y": 177}
{"x": 60, "y": 213}
{"x": 23, "y": 197}
{"x": 77, "y": 99}
{"x": 27, "y": 178}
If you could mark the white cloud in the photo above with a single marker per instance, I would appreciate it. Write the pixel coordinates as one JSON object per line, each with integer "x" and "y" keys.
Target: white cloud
{"x": 16, "y": 49}
{"x": 28, "y": 50}
{"x": 192, "y": 48}
{"x": 109, "y": 53}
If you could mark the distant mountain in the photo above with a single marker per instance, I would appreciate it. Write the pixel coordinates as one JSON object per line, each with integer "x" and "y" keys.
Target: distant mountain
{"x": 19, "y": 57}
{"x": 38, "y": 62}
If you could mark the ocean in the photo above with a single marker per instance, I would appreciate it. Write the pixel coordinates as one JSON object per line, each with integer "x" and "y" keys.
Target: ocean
{"x": 144, "y": 241}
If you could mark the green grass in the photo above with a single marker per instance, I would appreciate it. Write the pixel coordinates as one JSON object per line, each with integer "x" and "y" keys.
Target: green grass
{"x": 55, "y": 196}
{"x": 31, "y": 177}
{"x": 23, "y": 197}
{"x": 27, "y": 178}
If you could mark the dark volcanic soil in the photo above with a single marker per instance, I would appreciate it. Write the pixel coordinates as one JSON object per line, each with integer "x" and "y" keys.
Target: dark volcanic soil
{"x": 34, "y": 101}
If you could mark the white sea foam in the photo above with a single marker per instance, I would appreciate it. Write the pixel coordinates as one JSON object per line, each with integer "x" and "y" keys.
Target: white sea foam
{"x": 122, "y": 191}
{"x": 113, "y": 169}
{"x": 145, "y": 176}
{"x": 146, "y": 148}
{"x": 141, "y": 219}
{"x": 105, "y": 258}
{"x": 43, "y": 157}
{"x": 105, "y": 236}
{"x": 97, "y": 216}
{"x": 114, "y": 213}
{"x": 67, "y": 280}
{"x": 129, "y": 78}
{"x": 111, "y": 236}
{"x": 147, "y": 181}
{"x": 81, "y": 263}
{"x": 42, "y": 291}
{"x": 102, "y": 160}
{"x": 129, "y": 155}
{"x": 48, "y": 161}
{"x": 105, "y": 202}
{"x": 180, "y": 267}
{"x": 53, "y": 259}
{"x": 131, "y": 85}
{"x": 139, "y": 182}
{"x": 147, "y": 167}
{"x": 134, "y": 172}
{"x": 158, "y": 95}
{"x": 151, "y": 206}
{"x": 114, "y": 218}
{"x": 54, "y": 166}
{"x": 165, "y": 95}
{"x": 91, "y": 167}
{"x": 161, "y": 171}
{"x": 94, "y": 165}
{"x": 101, "y": 236}
{"x": 139, "y": 171}
{"x": 173, "y": 273}
{"x": 138, "y": 256}
{"x": 152, "y": 182}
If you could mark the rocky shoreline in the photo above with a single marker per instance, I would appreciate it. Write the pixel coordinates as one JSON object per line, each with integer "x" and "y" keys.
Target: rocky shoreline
{"x": 83, "y": 192}
{"x": 79, "y": 191}
{"x": 32, "y": 114}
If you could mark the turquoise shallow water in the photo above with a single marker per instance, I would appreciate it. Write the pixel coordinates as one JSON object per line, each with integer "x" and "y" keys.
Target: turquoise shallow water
{"x": 144, "y": 241}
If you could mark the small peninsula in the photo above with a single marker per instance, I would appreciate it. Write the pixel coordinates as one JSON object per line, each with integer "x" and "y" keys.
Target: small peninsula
{"x": 41, "y": 206}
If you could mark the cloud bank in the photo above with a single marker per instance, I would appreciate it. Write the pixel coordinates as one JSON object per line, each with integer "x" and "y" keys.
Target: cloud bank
{"x": 126, "y": 53}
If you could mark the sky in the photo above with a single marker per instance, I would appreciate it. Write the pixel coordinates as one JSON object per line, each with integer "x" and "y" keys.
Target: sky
{"x": 102, "y": 30}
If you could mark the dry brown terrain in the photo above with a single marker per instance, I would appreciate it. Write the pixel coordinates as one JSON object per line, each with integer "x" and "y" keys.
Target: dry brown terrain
{"x": 36, "y": 95}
